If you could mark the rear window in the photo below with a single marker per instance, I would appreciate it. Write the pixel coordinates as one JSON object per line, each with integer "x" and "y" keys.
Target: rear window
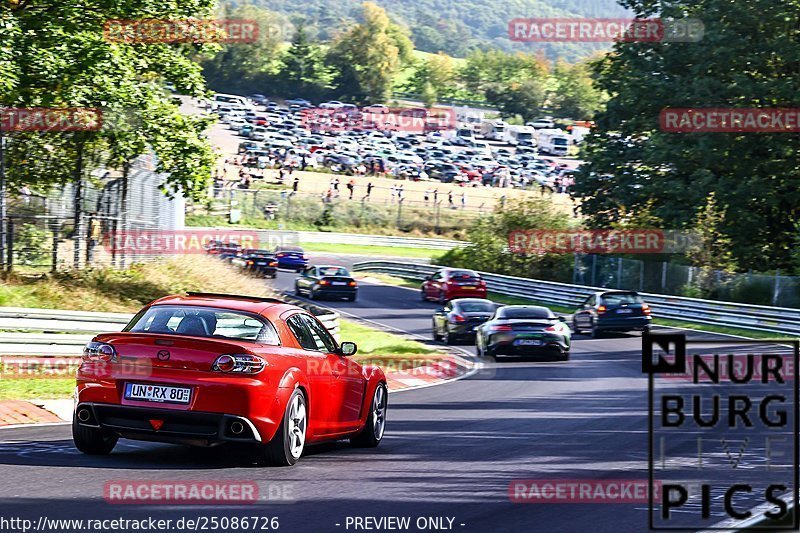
{"x": 525, "y": 312}
{"x": 333, "y": 271}
{"x": 204, "y": 322}
{"x": 463, "y": 274}
{"x": 476, "y": 307}
{"x": 619, "y": 298}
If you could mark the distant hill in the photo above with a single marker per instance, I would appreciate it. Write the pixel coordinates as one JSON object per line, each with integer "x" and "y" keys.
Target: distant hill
{"x": 455, "y": 26}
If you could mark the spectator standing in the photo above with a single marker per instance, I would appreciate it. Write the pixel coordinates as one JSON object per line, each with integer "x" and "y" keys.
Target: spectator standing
{"x": 351, "y": 185}
{"x": 369, "y": 191}
{"x": 295, "y": 184}
{"x": 463, "y": 200}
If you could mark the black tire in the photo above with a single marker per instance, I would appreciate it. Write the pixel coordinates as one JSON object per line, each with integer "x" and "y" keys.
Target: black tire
{"x": 351, "y": 298}
{"x": 594, "y": 332}
{"x": 575, "y": 329}
{"x": 647, "y": 329}
{"x": 565, "y": 356}
{"x": 442, "y": 299}
{"x": 370, "y": 437}
{"x": 422, "y": 295}
{"x": 297, "y": 290}
{"x": 446, "y": 337}
{"x": 278, "y": 451}
{"x": 312, "y": 294}
{"x": 92, "y": 441}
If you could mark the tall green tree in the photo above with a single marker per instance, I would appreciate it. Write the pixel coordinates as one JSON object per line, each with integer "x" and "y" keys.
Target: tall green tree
{"x": 749, "y": 56}
{"x": 303, "y": 71}
{"x": 436, "y": 76}
{"x": 575, "y": 95}
{"x": 368, "y": 56}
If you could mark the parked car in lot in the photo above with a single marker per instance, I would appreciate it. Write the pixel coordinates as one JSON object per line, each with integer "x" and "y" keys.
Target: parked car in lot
{"x": 457, "y": 319}
{"x": 207, "y": 369}
{"x": 326, "y": 280}
{"x": 291, "y": 257}
{"x": 449, "y": 283}
{"x": 523, "y": 330}
{"x": 261, "y": 262}
{"x": 612, "y": 311}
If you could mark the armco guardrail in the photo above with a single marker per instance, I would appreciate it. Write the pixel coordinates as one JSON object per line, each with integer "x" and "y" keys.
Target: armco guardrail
{"x": 63, "y": 333}
{"x": 743, "y": 316}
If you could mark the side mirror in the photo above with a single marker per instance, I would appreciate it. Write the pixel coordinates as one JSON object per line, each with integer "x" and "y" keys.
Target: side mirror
{"x": 348, "y": 348}
{"x": 562, "y": 319}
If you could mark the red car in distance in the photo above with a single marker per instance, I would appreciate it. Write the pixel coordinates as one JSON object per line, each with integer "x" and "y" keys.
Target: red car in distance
{"x": 207, "y": 369}
{"x": 449, "y": 283}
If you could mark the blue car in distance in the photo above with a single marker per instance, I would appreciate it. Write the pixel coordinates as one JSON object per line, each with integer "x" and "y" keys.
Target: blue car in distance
{"x": 291, "y": 257}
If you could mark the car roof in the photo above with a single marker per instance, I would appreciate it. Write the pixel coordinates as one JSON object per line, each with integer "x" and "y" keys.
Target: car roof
{"x": 331, "y": 266}
{"x": 472, "y": 300}
{"x": 234, "y": 302}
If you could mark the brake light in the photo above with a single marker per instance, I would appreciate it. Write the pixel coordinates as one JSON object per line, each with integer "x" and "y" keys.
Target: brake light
{"x": 280, "y": 255}
{"x": 458, "y": 318}
{"x": 646, "y": 309}
{"x": 99, "y": 351}
{"x": 273, "y": 263}
{"x": 249, "y": 263}
{"x": 601, "y": 309}
{"x": 324, "y": 282}
{"x": 239, "y": 364}
{"x": 501, "y": 328}
{"x": 352, "y": 283}
{"x": 552, "y": 328}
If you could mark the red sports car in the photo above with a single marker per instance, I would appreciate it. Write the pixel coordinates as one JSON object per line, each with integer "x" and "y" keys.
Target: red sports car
{"x": 449, "y": 283}
{"x": 206, "y": 369}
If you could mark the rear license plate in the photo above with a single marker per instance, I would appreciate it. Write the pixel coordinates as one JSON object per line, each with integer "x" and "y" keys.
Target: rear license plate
{"x": 527, "y": 342}
{"x": 339, "y": 283}
{"x": 467, "y": 286}
{"x": 624, "y": 311}
{"x": 157, "y": 393}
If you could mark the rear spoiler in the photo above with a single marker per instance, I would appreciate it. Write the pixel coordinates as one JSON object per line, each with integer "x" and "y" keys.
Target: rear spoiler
{"x": 235, "y": 296}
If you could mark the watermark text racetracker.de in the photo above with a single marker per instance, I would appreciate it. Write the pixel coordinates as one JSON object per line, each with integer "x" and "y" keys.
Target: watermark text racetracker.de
{"x": 192, "y": 241}
{"x": 189, "y": 30}
{"x": 634, "y": 241}
{"x": 379, "y": 119}
{"x": 568, "y": 30}
{"x": 50, "y": 119}
{"x": 730, "y": 120}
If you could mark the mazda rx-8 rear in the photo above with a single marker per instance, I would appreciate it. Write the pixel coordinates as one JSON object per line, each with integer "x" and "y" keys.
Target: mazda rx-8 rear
{"x": 209, "y": 369}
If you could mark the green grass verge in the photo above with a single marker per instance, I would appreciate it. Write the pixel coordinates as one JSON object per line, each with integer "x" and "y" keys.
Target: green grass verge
{"x": 360, "y": 249}
{"x": 36, "y": 388}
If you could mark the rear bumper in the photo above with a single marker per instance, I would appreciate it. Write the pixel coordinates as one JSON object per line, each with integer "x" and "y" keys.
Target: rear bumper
{"x": 452, "y": 294}
{"x": 257, "y": 399}
{"x": 337, "y": 291}
{"x": 184, "y": 427}
{"x": 504, "y": 345}
{"x": 624, "y": 324}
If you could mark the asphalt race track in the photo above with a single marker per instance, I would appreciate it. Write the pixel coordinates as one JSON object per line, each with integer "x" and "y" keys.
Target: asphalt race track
{"x": 450, "y": 451}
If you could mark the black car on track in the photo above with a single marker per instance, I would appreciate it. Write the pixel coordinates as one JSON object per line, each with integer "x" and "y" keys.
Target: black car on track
{"x": 458, "y": 318}
{"x": 326, "y": 280}
{"x": 612, "y": 311}
{"x": 523, "y": 330}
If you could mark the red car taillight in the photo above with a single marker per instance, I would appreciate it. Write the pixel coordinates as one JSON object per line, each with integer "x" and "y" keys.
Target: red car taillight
{"x": 324, "y": 282}
{"x": 500, "y": 328}
{"x": 646, "y": 309}
{"x": 249, "y": 263}
{"x": 601, "y": 309}
{"x": 279, "y": 255}
{"x": 551, "y": 329}
{"x": 239, "y": 364}
{"x": 273, "y": 263}
{"x": 353, "y": 284}
{"x": 99, "y": 351}
{"x": 458, "y": 318}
